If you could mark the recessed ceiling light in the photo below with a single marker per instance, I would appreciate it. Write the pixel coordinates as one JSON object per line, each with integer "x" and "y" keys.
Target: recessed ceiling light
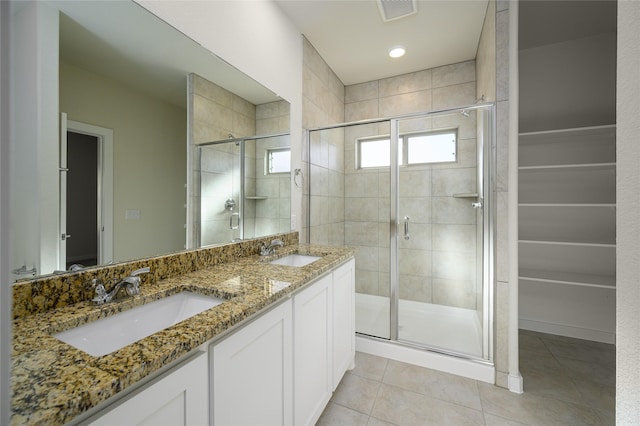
{"x": 396, "y": 52}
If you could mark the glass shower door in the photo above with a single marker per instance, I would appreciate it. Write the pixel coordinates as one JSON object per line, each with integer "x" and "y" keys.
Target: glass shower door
{"x": 439, "y": 235}
{"x": 221, "y": 198}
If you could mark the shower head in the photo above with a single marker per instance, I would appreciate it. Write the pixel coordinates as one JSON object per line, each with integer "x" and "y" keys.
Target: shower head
{"x": 230, "y": 136}
{"x": 465, "y": 112}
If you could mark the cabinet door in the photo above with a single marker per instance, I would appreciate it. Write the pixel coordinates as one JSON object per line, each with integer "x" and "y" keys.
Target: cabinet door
{"x": 344, "y": 328}
{"x": 180, "y": 397}
{"x": 312, "y": 349}
{"x": 251, "y": 375}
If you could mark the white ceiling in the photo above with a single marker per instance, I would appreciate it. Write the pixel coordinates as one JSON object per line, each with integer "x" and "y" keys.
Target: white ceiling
{"x": 354, "y": 41}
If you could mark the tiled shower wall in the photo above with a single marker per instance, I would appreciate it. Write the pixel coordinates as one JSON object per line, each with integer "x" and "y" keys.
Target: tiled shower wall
{"x": 442, "y": 227}
{"x": 270, "y": 215}
{"x": 323, "y": 104}
{"x": 215, "y": 112}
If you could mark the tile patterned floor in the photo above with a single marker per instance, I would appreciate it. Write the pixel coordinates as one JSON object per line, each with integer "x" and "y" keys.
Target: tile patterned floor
{"x": 566, "y": 381}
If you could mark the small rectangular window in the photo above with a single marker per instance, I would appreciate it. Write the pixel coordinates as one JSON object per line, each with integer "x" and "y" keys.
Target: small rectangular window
{"x": 434, "y": 147}
{"x": 278, "y": 160}
{"x": 374, "y": 153}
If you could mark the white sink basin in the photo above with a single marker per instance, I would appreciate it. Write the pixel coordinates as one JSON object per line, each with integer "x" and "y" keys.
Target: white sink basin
{"x": 295, "y": 260}
{"x": 109, "y": 334}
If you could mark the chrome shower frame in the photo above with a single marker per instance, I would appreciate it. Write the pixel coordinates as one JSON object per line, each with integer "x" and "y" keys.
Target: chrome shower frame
{"x": 487, "y": 197}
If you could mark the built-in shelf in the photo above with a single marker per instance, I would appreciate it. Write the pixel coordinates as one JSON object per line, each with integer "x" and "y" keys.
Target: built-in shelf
{"x": 570, "y": 243}
{"x": 567, "y": 222}
{"x": 569, "y": 278}
{"x": 609, "y": 205}
{"x": 255, "y": 197}
{"x": 570, "y": 166}
{"x": 586, "y": 145}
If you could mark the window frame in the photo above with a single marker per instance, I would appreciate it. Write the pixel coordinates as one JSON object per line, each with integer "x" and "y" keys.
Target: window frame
{"x": 403, "y": 157}
{"x": 268, "y": 157}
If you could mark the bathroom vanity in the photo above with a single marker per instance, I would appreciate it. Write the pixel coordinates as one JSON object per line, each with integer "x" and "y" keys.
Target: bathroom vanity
{"x": 272, "y": 352}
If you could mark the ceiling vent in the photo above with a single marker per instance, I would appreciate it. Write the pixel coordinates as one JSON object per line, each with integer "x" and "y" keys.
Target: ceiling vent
{"x": 395, "y": 9}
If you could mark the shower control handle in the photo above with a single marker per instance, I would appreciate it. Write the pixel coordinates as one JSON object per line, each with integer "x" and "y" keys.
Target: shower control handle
{"x": 406, "y": 227}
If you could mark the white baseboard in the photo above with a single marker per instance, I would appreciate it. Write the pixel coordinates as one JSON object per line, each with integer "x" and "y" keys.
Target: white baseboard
{"x": 449, "y": 364}
{"x": 568, "y": 331}
{"x": 515, "y": 383}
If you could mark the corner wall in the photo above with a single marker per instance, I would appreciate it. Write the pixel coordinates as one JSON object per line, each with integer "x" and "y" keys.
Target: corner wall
{"x": 628, "y": 222}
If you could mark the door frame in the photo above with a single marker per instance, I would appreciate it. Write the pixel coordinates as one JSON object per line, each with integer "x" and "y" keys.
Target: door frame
{"x": 105, "y": 187}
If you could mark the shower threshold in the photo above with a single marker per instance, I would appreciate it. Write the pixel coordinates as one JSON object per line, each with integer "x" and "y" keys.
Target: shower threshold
{"x": 446, "y": 328}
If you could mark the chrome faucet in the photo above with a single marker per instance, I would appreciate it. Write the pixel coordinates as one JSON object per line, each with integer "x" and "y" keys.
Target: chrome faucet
{"x": 131, "y": 285}
{"x": 271, "y": 248}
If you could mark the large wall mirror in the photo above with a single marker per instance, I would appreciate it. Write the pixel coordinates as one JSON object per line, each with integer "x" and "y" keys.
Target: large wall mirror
{"x": 112, "y": 108}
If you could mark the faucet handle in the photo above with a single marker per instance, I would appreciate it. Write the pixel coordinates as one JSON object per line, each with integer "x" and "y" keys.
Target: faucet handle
{"x": 144, "y": 270}
{"x": 100, "y": 291}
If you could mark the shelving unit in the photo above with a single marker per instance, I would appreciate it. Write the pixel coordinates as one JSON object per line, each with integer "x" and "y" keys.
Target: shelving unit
{"x": 567, "y": 181}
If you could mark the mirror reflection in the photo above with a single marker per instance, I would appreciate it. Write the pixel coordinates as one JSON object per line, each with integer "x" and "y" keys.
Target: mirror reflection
{"x": 109, "y": 121}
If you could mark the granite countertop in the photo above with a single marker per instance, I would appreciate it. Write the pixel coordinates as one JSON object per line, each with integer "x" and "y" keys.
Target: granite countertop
{"x": 53, "y": 382}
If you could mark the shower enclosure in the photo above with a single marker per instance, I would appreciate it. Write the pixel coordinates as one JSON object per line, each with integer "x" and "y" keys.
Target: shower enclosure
{"x": 244, "y": 187}
{"x": 414, "y": 195}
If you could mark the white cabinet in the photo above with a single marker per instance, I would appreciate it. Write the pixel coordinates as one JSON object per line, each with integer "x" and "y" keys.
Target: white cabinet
{"x": 312, "y": 348}
{"x": 344, "y": 326}
{"x": 567, "y": 234}
{"x": 179, "y": 397}
{"x": 252, "y": 372}
{"x": 281, "y": 368}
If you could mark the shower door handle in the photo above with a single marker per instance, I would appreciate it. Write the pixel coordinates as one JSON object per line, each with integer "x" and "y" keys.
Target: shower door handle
{"x": 231, "y": 216}
{"x": 406, "y": 227}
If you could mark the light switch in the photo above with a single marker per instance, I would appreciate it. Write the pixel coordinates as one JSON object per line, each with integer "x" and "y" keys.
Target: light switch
{"x": 132, "y": 214}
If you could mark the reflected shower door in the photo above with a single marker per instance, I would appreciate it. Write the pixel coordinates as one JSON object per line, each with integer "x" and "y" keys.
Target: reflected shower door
{"x": 221, "y": 200}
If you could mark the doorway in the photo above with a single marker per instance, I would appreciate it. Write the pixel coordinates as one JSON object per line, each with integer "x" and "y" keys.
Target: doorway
{"x": 82, "y": 200}
{"x": 86, "y": 195}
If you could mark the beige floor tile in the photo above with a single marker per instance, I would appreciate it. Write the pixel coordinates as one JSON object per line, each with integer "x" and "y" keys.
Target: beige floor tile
{"x": 539, "y": 362}
{"x": 369, "y": 366}
{"x": 595, "y": 352}
{"x": 544, "y": 384}
{"x": 534, "y": 410}
{"x": 608, "y": 417}
{"x": 335, "y": 415}
{"x": 377, "y": 422}
{"x": 603, "y": 373}
{"x": 596, "y": 395}
{"x": 434, "y": 384}
{"x": 491, "y": 420}
{"x": 404, "y": 407}
{"x": 532, "y": 343}
{"x": 357, "y": 393}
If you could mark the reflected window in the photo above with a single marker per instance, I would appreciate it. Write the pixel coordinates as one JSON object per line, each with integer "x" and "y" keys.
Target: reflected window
{"x": 278, "y": 160}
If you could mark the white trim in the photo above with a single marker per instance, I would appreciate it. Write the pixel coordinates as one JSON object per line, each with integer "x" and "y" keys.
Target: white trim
{"x": 568, "y": 330}
{"x": 471, "y": 369}
{"x": 512, "y": 203}
{"x": 548, "y": 132}
{"x": 106, "y": 136}
{"x": 515, "y": 383}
